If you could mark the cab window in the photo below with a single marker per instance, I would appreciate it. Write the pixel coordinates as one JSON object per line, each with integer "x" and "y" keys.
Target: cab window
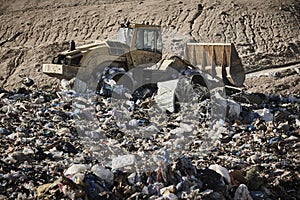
{"x": 148, "y": 40}
{"x": 125, "y": 35}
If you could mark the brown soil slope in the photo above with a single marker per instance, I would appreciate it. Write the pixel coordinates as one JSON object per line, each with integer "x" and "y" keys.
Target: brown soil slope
{"x": 31, "y": 32}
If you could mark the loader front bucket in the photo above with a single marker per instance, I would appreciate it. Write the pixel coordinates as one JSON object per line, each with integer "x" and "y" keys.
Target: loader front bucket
{"x": 219, "y": 60}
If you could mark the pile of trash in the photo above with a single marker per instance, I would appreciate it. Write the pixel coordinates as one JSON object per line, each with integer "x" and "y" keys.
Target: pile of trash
{"x": 67, "y": 145}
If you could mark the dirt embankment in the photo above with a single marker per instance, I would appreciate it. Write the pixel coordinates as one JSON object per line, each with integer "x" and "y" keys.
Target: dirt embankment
{"x": 31, "y": 32}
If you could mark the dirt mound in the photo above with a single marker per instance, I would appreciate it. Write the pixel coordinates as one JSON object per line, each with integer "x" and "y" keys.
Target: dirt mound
{"x": 283, "y": 82}
{"x": 265, "y": 33}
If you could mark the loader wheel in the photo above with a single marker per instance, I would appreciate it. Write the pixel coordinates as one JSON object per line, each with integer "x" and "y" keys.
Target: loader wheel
{"x": 190, "y": 90}
{"x": 124, "y": 84}
{"x": 201, "y": 92}
{"x": 184, "y": 91}
{"x": 125, "y": 80}
{"x": 200, "y": 88}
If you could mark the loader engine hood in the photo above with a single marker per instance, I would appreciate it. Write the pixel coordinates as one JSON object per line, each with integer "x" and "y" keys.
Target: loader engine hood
{"x": 117, "y": 48}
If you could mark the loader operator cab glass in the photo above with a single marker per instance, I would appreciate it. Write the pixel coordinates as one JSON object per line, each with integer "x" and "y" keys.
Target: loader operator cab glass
{"x": 148, "y": 40}
{"x": 159, "y": 42}
{"x": 125, "y": 36}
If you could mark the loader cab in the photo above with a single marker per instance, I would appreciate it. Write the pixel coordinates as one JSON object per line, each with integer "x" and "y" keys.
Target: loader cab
{"x": 145, "y": 43}
{"x": 147, "y": 40}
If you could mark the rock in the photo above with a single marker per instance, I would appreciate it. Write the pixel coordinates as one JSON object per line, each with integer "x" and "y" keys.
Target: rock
{"x": 254, "y": 180}
{"x": 28, "y": 151}
{"x": 284, "y": 126}
{"x": 63, "y": 131}
{"x": 222, "y": 171}
{"x": 65, "y": 84}
{"x": 78, "y": 178}
{"x": 123, "y": 161}
{"x": 242, "y": 193}
{"x": 132, "y": 178}
{"x": 211, "y": 180}
{"x": 66, "y": 147}
{"x": 20, "y": 156}
{"x": 104, "y": 174}
{"x": 265, "y": 114}
{"x": 76, "y": 168}
{"x": 28, "y": 82}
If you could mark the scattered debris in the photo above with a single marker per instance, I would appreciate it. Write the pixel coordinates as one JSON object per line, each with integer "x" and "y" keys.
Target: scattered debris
{"x": 68, "y": 145}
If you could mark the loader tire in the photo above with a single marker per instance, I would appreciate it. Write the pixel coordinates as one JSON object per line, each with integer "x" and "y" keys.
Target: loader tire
{"x": 184, "y": 92}
{"x": 188, "y": 91}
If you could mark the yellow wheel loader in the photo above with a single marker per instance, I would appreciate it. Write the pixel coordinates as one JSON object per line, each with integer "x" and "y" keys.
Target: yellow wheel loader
{"x": 135, "y": 59}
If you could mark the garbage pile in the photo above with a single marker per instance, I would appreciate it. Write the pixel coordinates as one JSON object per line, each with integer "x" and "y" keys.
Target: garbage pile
{"x": 66, "y": 145}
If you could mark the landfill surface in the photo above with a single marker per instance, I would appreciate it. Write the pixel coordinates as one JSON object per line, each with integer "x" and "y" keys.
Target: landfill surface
{"x": 57, "y": 143}
{"x": 60, "y": 144}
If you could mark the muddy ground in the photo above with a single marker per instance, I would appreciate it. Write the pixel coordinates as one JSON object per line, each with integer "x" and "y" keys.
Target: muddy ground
{"x": 31, "y": 32}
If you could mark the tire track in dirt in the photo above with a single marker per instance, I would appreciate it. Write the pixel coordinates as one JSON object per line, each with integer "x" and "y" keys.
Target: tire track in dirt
{"x": 89, "y": 30}
{"x": 295, "y": 12}
{"x": 12, "y": 65}
{"x": 4, "y": 35}
{"x": 261, "y": 42}
{"x": 210, "y": 24}
{"x": 197, "y": 13}
{"x": 182, "y": 18}
{"x": 251, "y": 31}
{"x": 2, "y": 27}
{"x": 229, "y": 34}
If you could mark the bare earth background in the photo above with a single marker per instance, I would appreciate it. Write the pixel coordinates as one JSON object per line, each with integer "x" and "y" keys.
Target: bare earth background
{"x": 265, "y": 33}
